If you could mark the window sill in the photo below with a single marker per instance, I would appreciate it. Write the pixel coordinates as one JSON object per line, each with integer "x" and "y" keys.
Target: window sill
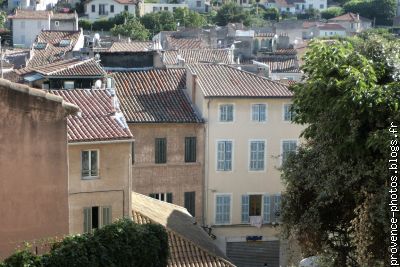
{"x": 90, "y": 178}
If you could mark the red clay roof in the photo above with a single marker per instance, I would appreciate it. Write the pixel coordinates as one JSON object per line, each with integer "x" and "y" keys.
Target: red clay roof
{"x": 98, "y": 119}
{"x": 348, "y": 17}
{"x": 53, "y": 51}
{"x": 30, "y": 14}
{"x": 281, "y": 64}
{"x": 154, "y": 96}
{"x": 217, "y": 80}
{"x": 185, "y": 43}
{"x": 198, "y": 56}
{"x": 331, "y": 26}
{"x": 130, "y": 47}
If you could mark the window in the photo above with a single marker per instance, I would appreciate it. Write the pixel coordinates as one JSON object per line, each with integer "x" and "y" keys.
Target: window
{"x": 40, "y": 46}
{"x": 257, "y": 155}
{"x": 321, "y": 6}
{"x": 222, "y": 209}
{"x": 69, "y": 84}
{"x": 267, "y": 209}
{"x": 56, "y": 23}
{"x": 166, "y": 8}
{"x": 310, "y": 6}
{"x": 154, "y": 9}
{"x": 297, "y": 6}
{"x": 224, "y": 155}
{"x": 198, "y": 3}
{"x": 161, "y": 150}
{"x": 167, "y": 197}
{"x": 190, "y": 149}
{"x": 288, "y": 114}
{"x": 112, "y": 8}
{"x": 93, "y": 8}
{"x": 259, "y": 112}
{"x": 276, "y": 203}
{"x": 92, "y": 215}
{"x": 90, "y": 164}
{"x": 226, "y": 113}
{"x": 102, "y": 9}
{"x": 65, "y": 42}
{"x": 251, "y": 206}
{"x": 22, "y": 24}
{"x": 126, "y": 8}
{"x": 288, "y": 146}
{"x": 190, "y": 202}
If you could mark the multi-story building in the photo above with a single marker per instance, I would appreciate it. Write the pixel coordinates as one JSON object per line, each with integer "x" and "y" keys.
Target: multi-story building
{"x": 296, "y": 6}
{"x": 99, "y": 160}
{"x": 27, "y": 24}
{"x": 33, "y": 166}
{"x": 168, "y": 156}
{"x": 106, "y": 9}
{"x": 352, "y": 23}
{"x": 248, "y": 135}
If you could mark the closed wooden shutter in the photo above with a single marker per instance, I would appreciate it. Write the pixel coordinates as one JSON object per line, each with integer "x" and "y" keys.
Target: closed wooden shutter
{"x": 161, "y": 150}
{"x": 169, "y": 197}
{"x": 87, "y": 220}
{"x": 249, "y": 254}
{"x": 190, "y": 149}
{"x": 190, "y": 200}
{"x": 106, "y": 215}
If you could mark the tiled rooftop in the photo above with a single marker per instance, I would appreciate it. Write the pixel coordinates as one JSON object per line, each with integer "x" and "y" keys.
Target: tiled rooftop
{"x": 349, "y": 17}
{"x": 154, "y": 96}
{"x": 197, "y": 56}
{"x": 68, "y": 67}
{"x": 189, "y": 245}
{"x": 130, "y": 47}
{"x": 331, "y": 26}
{"x": 98, "y": 119}
{"x": 217, "y": 80}
{"x": 30, "y": 14}
{"x": 185, "y": 43}
{"x": 52, "y": 51}
{"x": 281, "y": 64}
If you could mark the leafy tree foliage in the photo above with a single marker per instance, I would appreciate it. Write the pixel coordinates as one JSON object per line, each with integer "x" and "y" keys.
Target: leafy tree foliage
{"x": 311, "y": 13}
{"x": 159, "y": 21}
{"x": 381, "y": 10}
{"x": 336, "y": 201}
{"x": 332, "y": 12}
{"x": 133, "y": 29}
{"x": 271, "y": 14}
{"x": 232, "y": 13}
{"x": 123, "y": 243}
{"x": 189, "y": 18}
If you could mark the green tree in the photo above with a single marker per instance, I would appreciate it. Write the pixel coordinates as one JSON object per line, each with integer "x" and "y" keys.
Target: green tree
{"x": 3, "y": 16}
{"x": 189, "y": 18}
{"x": 336, "y": 199}
{"x": 133, "y": 29}
{"x": 232, "y": 13}
{"x": 310, "y": 13}
{"x": 332, "y": 12}
{"x": 271, "y": 14}
{"x": 383, "y": 11}
{"x": 159, "y": 21}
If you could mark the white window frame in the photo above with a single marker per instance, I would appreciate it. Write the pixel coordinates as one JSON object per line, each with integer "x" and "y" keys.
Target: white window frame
{"x": 216, "y": 154}
{"x": 233, "y": 112}
{"x": 90, "y": 164}
{"x": 230, "y": 208}
{"x": 266, "y": 113}
{"x": 283, "y": 113}
{"x": 287, "y": 140}
{"x": 265, "y": 155}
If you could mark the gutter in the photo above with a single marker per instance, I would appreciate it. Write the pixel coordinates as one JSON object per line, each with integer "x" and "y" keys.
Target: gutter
{"x": 101, "y": 142}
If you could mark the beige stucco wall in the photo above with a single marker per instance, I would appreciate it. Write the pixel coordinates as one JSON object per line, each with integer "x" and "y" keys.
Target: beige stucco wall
{"x": 33, "y": 169}
{"x": 176, "y": 176}
{"x": 110, "y": 189}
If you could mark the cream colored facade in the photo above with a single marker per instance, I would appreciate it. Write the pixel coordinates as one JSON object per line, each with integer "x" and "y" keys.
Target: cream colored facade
{"x": 241, "y": 180}
{"x": 111, "y": 188}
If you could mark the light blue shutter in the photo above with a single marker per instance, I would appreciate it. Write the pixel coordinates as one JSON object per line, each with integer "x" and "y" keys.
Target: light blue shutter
{"x": 221, "y": 156}
{"x": 245, "y": 208}
{"x": 230, "y": 113}
{"x": 87, "y": 220}
{"x": 106, "y": 215}
{"x": 267, "y": 209}
{"x": 228, "y": 156}
{"x": 262, "y": 110}
{"x": 254, "y": 113}
{"x": 277, "y": 207}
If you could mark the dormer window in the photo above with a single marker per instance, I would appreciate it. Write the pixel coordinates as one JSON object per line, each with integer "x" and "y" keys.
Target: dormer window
{"x": 40, "y": 46}
{"x": 65, "y": 42}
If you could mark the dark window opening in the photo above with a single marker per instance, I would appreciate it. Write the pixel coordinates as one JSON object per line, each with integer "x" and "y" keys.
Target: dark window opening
{"x": 95, "y": 217}
{"x": 190, "y": 149}
{"x": 255, "y": 205}
{"x": 161, "y": 150}
{"x": 190, "y": 205}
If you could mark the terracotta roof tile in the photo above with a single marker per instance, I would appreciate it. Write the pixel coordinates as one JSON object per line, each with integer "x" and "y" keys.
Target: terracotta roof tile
{"x": 52, "y": 51}
{"x": 98, "y": 119}
{"x": 30, "y": 14}
{"x": 130, "y": 47}
{"x": 189, "y": 245}
{"x": 348, "y": 17}
{"x": 217, "y": 80}
{"x": 68, "y": 67}
{"x": 185, "y": 43}
{"x": 331, "y": 26}
{"x": 154, "y": 96}
{"x": 281, "y": 64}
{"x": 197, "y": 56}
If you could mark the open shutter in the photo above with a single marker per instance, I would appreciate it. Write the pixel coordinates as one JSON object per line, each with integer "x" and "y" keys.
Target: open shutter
{"x": 245, "y": 208}
{"x": 106, "y": 215}
{"x": 267, "y": 209}
{"x": 169, "y": 197}
{"x": 277, "y": 204}
{"x": 87, "y": 220}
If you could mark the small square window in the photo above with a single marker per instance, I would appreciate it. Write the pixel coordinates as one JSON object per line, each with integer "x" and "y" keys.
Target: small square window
{"x": 112, "y": 8}
{"x": 65, "y": 42}
{"x": 93, "y": 8}
{"x": 126, "y": 8}
{"x": 90, "y": 164}
{"x": 56, "y": 23}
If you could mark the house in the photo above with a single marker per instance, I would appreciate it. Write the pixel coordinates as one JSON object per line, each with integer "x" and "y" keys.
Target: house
{"x": 178, "y": 58}
{"x": 34, "y": 180}
{"x": 27, "y": 24}
{"x": 353, "y": 23}
{"x": 51, "y": 46}
{"x": 64, "y": 74}
{"x": 248, "y": 135}
{"x": 31, "y": 5}
{"x": 105, "y": 9}
{"x": 168, "y": 157}
{"x": 145, "y": 8}
{"x": 189, "y": 244}
{"x": 296, "y": 6}
{"x": 99, "y": 164}
{"x": 331, "y": 29}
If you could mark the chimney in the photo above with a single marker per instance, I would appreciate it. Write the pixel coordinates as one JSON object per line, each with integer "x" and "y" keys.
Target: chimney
{"x": 194, "y": 81}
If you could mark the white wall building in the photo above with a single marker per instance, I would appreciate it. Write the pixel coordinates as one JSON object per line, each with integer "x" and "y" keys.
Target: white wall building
{"x": 296, "y": 6}
{"x": 331, "y": 29}
{"x": 146, "y": 8}
{"x": 31, "y": 5}
{"x": 105, "y": 9}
